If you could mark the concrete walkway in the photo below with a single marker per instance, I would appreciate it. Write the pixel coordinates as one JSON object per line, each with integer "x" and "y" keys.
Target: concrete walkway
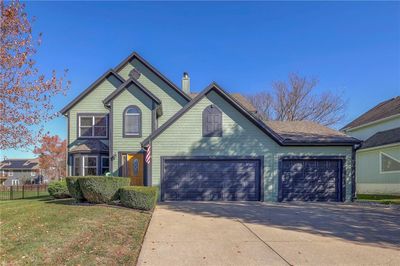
{"x": 206, "y": 233}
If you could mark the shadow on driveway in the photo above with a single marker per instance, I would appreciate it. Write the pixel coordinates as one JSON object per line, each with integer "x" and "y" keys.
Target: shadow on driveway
{"x": 373, "y": 225}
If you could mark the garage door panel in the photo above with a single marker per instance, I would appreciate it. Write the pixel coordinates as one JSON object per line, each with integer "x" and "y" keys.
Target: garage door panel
{"x": 191, "y": 179}
{"x": 310, "y": 179}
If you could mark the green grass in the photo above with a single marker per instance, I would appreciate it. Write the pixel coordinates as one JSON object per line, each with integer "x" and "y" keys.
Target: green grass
{"x": 384, "y": 199}
{"x": 58, "y": 232}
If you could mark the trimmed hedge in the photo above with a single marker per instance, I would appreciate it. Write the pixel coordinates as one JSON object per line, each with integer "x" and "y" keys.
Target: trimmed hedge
{"x": 142, "y": 198}
{"x": 74, "y": 188}
{"x": 101, "y": 189}
{"x": 58, "y": 189}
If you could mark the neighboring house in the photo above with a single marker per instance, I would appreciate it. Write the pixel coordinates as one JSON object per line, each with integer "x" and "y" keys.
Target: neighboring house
{"x": 205, "y": 146}
{"x": 15, "y": 172}
{"x": 378, "y": 158}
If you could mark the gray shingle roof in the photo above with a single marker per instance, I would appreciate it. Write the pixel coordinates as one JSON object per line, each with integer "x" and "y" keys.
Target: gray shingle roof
{"x": 20, "y": 164}
{"x": 382, "y": 110}
{"x": 307, "y": 131}
{"x": 382, "y": 138}
{"x": 239, "y": 98}
{"x": 89, "y": 145}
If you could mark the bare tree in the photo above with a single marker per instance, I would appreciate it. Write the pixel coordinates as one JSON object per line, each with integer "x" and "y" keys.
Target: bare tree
{"x": 297, "y": 99}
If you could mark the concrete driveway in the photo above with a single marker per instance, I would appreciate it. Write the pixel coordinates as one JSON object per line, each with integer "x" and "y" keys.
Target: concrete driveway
{"x": 208, "y": 233}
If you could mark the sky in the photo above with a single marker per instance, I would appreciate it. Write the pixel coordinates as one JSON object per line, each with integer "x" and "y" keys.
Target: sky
{"x": 352, "y": 48}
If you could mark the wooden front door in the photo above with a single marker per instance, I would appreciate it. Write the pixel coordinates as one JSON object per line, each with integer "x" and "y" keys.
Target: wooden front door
{"x": 135, "y": 168}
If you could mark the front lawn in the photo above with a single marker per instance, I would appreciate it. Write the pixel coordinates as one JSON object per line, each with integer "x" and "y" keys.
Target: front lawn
{"x": 55, "y": 232}
{"x": 384, "y": 199}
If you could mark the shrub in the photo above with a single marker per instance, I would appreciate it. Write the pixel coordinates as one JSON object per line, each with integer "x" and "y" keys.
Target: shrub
{"x": 142, "y": 198}
{"x": 74, "y": 188}
{"x": 101, "y": 189}
{"x": 58, "y": 189}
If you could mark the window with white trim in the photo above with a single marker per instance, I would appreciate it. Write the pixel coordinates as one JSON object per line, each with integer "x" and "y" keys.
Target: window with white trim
{"x": 93, "y": 126}
{"x": 105, "y": 162}
{"x": 10, "y": 173}
{"x": 389, "y": 164}
{"x": 85, "y": 165}
{"x": 15, "y": 182}
{"x": 132, "y": 121}
{"x": 33, "y": 173}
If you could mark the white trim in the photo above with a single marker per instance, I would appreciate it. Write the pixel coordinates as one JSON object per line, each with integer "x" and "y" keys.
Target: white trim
{"x": 93, "y": 126}
{"x": 82, "y": 166}
{"x": 370, "y": 123}
{"x": 379, "y": 147}
{"x": 380, "y": 164}
{"x": 33, "y": 173}
{"x": 83, "y": 163}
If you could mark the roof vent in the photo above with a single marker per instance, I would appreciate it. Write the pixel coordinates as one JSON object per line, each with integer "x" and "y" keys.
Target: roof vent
{"x": 134, "y": 73}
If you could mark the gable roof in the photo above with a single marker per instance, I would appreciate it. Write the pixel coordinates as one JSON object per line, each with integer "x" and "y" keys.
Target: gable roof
{"x": 213, "y": 87}
{"x": 278, "y": 136}
{"x": 239, "y": 98}
{"x": 307, "y": 131}
{"x": 19, "y": 164}
{"x": 125, "y": 85}
{"x": 383, "y": 110}
{"x": 82, "y": 95}
{"x": 135, "y": 55}
{"x": 386, "y": 137}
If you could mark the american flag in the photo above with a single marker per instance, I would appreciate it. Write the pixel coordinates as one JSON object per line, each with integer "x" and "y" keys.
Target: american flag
{"x": 148, "y": 154}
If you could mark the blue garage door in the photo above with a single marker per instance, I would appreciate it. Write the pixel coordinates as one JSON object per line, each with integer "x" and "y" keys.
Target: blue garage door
{"x": 211, "y": 179}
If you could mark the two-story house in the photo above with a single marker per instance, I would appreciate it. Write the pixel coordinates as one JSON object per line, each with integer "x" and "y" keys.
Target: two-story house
{"x": 378, "y": 158}
{"x": 15, "y": 172}
{"x": 136, "y": 123}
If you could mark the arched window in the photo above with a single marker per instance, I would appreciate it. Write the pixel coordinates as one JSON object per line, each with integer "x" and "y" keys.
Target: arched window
{"x": 212, "y": 122}
{"x": 132, "y": 122}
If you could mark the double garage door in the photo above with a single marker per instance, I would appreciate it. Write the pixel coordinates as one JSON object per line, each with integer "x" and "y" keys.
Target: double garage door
{"x": 230, "y": 178}
{"x": 211, "y": 179}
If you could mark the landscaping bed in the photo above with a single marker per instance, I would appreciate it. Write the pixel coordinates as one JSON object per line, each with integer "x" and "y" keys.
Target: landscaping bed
{"x": 58, "y": 232}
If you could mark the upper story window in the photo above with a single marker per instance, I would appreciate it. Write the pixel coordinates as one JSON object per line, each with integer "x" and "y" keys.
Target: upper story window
{"x": 132, "y": 122}
{"x": 33, "y": 173}
{"x": 212, "y": 122}
{"x": 389, "y": 164}
{"x": 93, "y": 126}
{"x": 10, "y": 172}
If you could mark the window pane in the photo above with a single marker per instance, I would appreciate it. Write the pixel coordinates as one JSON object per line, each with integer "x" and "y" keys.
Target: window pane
{"x": 77, "y": 166}
{"x": 90, "y": 171}
{"x": 389, "y": 164}
{"x": 86, "y": 121}
{"x": 132, "y": 124}
{"x": 100, "y": 131}
{"x": 86, "y": 131}
{"x": 133, "y": 110}
{"x": 105, "y": 161}
{"x": 104, "y": 170}
{"x": 90, "y": 161}
{"x": 100, "y": 121}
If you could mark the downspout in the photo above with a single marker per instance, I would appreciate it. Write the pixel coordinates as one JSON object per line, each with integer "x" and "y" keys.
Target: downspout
{"x": 353, "y": 171}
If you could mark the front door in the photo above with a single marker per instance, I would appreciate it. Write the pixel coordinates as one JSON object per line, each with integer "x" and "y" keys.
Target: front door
{"x": 134, "y": 168}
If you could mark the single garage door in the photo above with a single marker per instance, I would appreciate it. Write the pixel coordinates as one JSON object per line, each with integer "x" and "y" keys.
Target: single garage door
{"x": 311, "y": 180}
{"x": 211, "y": 179}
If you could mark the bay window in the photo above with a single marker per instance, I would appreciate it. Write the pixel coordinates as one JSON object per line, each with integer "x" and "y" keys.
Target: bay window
{"x": 85, "y": 165}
